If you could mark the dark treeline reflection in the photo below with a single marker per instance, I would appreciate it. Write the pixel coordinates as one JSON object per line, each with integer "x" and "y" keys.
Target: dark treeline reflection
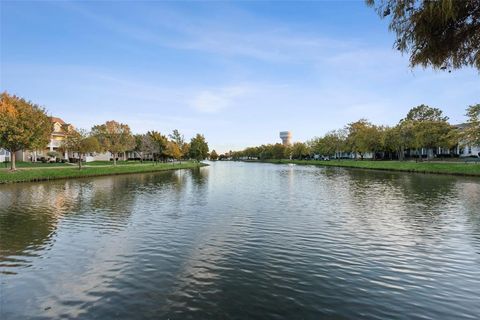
{"x": 367, "y": 187}
{"x": 31, "y": 213}
{"x": 21, "y": 232}
{"x": 425, "y": 187}
{"x": 409, "y": 205}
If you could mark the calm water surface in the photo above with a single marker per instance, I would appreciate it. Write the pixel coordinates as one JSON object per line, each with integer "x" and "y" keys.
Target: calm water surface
{"x": 242, "y": 241}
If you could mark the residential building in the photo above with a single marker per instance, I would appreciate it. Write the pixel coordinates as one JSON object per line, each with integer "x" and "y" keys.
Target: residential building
{"x": 464, "y": 149}
{"x": 4, "y": 155}
{"x": 59, "y": 133}
{"x": 469, "y": 151}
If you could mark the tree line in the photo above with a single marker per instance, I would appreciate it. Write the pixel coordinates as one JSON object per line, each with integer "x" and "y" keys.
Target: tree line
{"x": 423, "y": 128}
{"x": 19, "y": 132}
{"x": 116, "y": 138}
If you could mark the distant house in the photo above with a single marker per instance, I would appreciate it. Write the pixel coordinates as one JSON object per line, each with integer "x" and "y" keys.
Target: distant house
{"x": 59, "y": 133}
{"x": 467, "y": 150}
{"x": 107, "y": 156}
{"x": 4, "y": 155}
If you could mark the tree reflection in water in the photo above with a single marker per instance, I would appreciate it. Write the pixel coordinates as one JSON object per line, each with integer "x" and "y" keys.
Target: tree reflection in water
{"x": 31, "y": 213}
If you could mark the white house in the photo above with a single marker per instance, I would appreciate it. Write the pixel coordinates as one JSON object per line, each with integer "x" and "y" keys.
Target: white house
{"x": 467, "y": 150}
{"x": 4, "y": 155}
{"x": 107, "y": 156}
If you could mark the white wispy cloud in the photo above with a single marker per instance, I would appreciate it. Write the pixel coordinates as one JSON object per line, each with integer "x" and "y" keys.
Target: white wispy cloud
{"x": 212, "y": 101}
{"x": 269, "y": 43}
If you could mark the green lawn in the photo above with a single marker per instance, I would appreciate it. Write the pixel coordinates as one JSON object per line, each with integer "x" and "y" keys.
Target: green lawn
{"x": 43, "y": 174}
{"x": 109, "y": 163}
{"x": 456, "y": 168}
{"x": 27, "y": 164}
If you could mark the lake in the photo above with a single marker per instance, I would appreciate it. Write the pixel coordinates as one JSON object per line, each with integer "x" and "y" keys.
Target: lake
{"x": 242, "y": 241}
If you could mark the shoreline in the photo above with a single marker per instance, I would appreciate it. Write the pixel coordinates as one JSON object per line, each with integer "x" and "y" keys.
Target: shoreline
{"x": 456, "y": 169}
{"x": 59, "y": 173}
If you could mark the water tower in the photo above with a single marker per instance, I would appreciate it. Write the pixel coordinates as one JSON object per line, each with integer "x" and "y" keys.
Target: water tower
{"x": 286, "y": 137}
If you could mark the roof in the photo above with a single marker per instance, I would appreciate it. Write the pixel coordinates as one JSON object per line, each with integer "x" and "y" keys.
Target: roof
{"x": 461, "y": 125}
{"x": 55, "y": 119}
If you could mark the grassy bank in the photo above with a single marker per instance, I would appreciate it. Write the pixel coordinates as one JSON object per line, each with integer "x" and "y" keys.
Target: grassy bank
{"x": 27, "y": 164}
{"x": 119, "y": 163}
{"x": 46, "y": 173}
{"x": 454, "y": 168}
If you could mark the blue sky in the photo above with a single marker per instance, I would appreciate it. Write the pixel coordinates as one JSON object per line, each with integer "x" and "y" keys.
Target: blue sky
{"x": 239, "y": 72}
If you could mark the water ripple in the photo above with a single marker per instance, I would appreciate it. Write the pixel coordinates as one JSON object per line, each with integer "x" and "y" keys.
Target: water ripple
{"x": 238, "y": 240}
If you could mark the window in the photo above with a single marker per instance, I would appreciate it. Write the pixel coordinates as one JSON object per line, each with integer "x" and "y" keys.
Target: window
{"x": 469, "y": 149}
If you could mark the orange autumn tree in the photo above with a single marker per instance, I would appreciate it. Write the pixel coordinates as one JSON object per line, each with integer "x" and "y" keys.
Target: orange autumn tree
{"x": 23, "y": 125}
{"x": 173, "y": 150}
{"x": 114, "y": 137}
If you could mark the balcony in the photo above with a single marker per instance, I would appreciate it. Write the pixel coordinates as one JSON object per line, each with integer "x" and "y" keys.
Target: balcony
{"x": 54, "y": 144}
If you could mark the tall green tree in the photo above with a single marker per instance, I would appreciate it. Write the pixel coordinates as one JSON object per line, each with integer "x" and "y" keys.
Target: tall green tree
{"x": 363, "y": 137}
{"x": 300, "y": 150}
{"x": 319, "y": 146}
{"x": 279, "y": 151}
{"x": 395, "y": 140}
{"x": 443, "y": 34}
{"x": 198, "y": 148}
{"x": 266, "y": 152}
{"x": 177, "y": 137}
{"x": 213, "y": 155}
{"x": 426, "y": 113}
{"x": 114, "y": 137}
{"x": 81, "y": 143}
{"x": 23, "y": 125}
{"x": 335, "y": 142}
{"x": 471, "y": 135}
{"x": 331, "y": 144}
{"x": 428, "y": 129}
{"x": 433, "y": 134}
{"x": 405, "y": 137}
